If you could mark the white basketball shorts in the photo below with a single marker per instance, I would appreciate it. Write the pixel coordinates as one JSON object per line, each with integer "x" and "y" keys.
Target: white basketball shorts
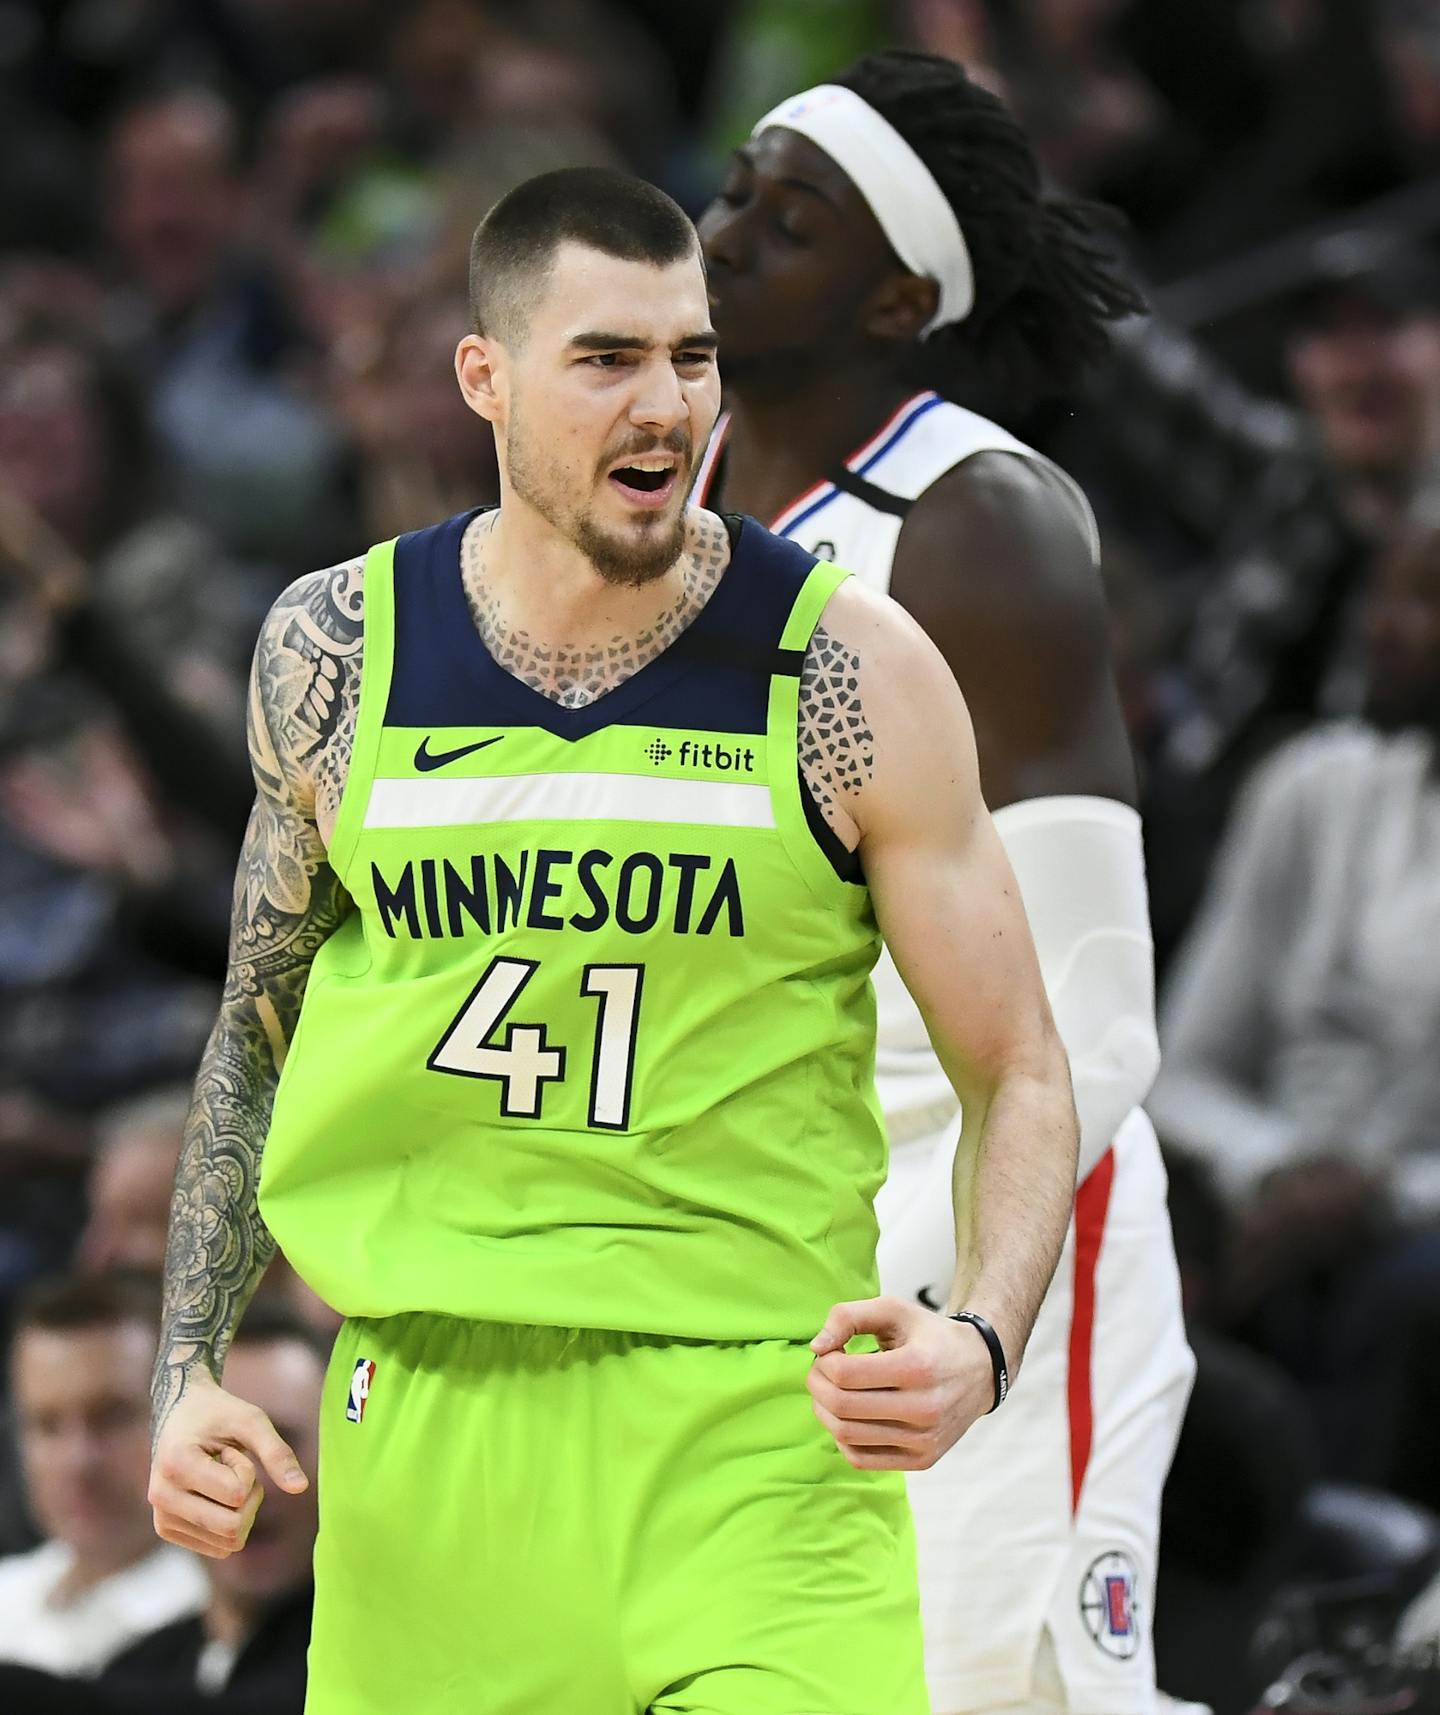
{"x": 1038, "y": 1531}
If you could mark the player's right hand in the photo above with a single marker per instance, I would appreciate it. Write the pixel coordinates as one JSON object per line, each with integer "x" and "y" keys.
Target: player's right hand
{"x": 205, "y": 1476}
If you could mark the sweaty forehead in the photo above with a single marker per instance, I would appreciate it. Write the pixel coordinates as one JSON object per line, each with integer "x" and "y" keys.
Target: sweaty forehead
{"x": 588, "y": 291}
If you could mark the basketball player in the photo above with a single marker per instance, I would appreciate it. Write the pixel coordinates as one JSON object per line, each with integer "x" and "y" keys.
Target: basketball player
{"x": 879, "y": 244}
{"x": 577, "y": 1121}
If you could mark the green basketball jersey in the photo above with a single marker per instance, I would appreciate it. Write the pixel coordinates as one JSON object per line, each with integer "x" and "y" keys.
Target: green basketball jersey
{"x": 595, "y": 1048}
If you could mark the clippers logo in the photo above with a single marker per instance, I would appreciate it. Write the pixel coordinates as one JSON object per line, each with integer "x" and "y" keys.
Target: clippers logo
{"x": 1109, "y": 1605}
{"x": 360, "y": 1379}
{"x": 1117, "y": 1607}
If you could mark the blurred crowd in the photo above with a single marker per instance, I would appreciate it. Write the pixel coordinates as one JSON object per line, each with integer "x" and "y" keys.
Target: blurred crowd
{"x": 233, "y": 241}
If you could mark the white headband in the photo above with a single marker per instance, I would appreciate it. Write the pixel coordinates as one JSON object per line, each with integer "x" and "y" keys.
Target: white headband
{"x": 899, "y": 187}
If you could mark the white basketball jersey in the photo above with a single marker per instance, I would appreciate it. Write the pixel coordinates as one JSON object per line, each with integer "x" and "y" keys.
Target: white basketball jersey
{"x": 1035, "y": 1511}
{"x": 855, "y": 520}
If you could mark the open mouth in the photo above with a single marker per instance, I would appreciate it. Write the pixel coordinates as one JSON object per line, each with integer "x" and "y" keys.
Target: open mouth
{"x": 646, "y": 482}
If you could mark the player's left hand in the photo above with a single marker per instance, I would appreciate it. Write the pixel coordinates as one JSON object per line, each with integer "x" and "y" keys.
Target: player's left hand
{"x": 902, "y": 1408}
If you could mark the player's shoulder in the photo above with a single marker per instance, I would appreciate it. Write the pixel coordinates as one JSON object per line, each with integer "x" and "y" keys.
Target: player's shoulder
{"x": 998, "y": 555}
{"x": 329, "y": 602}
{"x": 894, "y": 654}
{"x": 878, "y": 694}
{"x": 1003, "y": 509}
{"x": 305, "y": 681}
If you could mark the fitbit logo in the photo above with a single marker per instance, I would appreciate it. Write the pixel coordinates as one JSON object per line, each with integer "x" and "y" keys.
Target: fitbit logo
{"x": 718, "y": 758}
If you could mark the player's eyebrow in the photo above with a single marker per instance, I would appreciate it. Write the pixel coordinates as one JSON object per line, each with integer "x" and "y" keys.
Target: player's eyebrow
{"x": 791, "y": 183}
{"x": 707, "y": 340}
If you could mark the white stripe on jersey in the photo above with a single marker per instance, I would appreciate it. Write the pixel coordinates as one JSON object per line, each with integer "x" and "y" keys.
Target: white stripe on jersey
{"x": 405, "y": 803}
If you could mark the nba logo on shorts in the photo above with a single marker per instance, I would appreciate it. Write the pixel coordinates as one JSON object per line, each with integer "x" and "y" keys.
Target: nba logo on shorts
{"x": 360, "y": 1380}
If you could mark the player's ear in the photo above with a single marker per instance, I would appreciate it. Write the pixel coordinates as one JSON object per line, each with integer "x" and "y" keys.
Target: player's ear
{"x": 479, "y": 368}
{"x": 900, "y": 308}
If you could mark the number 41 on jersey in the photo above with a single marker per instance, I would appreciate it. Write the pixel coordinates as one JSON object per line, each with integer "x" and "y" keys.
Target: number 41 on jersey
{"x": 526, "y": 1060}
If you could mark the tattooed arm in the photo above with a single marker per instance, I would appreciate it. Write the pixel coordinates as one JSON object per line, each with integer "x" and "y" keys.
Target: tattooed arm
{"x": 303, "y": 696}
{"x": 887, "y": 744}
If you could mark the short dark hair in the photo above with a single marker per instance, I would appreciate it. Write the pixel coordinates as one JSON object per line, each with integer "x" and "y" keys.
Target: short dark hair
{"x": 612, "y": 212}
{"x": 1048, "y": 277}
{"x": 78, "y": 1303}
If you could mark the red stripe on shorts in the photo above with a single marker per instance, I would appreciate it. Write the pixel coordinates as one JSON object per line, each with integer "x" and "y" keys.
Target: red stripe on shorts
{"x": 1091, "y": 1202}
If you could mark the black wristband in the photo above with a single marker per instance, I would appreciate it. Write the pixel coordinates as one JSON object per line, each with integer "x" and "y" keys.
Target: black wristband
{"x": 997, "y": 1352}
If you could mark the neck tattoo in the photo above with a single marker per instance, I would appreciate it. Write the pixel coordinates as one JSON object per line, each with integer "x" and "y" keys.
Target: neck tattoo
{"x": 574, "y": 676}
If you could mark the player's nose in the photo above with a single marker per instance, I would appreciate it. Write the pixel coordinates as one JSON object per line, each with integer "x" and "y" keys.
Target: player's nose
{"x": 660, "y": 404}
{"x": 722, "y": 238}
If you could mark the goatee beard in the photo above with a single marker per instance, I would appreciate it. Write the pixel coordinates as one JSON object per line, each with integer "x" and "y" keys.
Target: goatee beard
{"x": 631, "y": 565}
{"x": 626, "y": 563}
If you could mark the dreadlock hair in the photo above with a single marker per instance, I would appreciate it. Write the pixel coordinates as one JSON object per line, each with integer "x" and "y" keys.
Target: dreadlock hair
{"x": 1047, "y": 275}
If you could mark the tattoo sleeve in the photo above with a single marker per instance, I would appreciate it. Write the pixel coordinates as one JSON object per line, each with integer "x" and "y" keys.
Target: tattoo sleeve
{"x": 288, "y": 901}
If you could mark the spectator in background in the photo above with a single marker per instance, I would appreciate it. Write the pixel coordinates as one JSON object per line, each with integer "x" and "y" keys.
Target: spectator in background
{"x": 423, "y": 454}
{"x": 768, "y": 49}
{"x": 1410, "y": 53}
{"x": 1225, "y": 1547}
{"x": 1092, "y": 113}
{"x": 588, "y": 62}
{"x": 132, "y": 1175}
{"x": 965, "y": 31}
{"x": 128, "y": 1196}
{"x": 152, "y": 613}
{"x": 347, "y": 216}
{"x": 131, "y": 1182}
{"x": 244, "y": 1652}
{"x": 271, "y": 45}
{"x": 107, "y": 608}
{"x": 1301, "y": 1032}
{"x": 205, "y": 326}
{"x": 107, "y": 930}
{"x": 254, "y": 1631}
{"x": 80, "y": 1370}
{"x": 120, "y": 676}
{"x": 1212, "y": 127}
{"x": 1288, "y": 102}
{"x": 1278, "y": 512}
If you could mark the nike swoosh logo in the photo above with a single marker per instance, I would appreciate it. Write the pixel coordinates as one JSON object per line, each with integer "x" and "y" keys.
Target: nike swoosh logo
{"x": 426, "y": 759}
{"x": 926, "y": 1299}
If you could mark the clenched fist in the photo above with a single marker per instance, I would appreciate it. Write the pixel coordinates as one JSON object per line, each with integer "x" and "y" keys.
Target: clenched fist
{"x": 903, "y": 1408}
{"x": 205, "y": 1485}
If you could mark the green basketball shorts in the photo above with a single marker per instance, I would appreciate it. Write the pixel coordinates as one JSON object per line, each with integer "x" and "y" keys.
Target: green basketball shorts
{"x": 551, "y": 1521}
